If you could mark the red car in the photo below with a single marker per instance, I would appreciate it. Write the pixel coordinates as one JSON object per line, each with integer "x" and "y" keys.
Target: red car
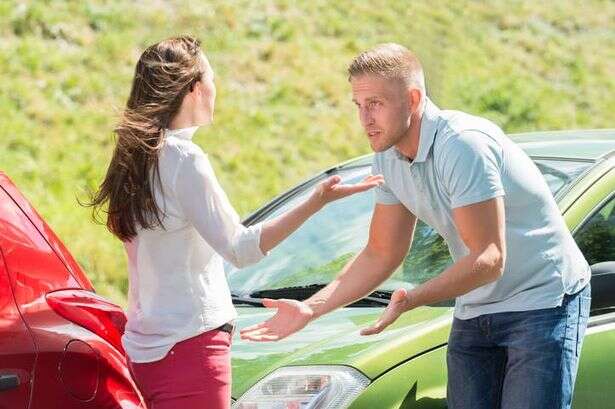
{"x": 59, "y": 341}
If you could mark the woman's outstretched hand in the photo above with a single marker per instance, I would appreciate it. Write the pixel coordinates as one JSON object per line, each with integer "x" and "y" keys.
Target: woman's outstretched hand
{"x": 277, "y": 229}
{"x": 331, "y": 189}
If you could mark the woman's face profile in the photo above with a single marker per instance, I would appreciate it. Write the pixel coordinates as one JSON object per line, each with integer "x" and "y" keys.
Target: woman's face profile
{"x": 205, "y": 101}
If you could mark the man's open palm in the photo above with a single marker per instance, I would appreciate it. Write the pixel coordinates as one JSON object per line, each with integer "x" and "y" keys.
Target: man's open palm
{"x": 290, "y": 317}
{"x": 398, "y": 305}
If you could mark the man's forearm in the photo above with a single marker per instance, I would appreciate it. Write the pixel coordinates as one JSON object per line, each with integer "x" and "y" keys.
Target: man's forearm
{"x": 465, "y": 275}
{"x": 358, "y": 278}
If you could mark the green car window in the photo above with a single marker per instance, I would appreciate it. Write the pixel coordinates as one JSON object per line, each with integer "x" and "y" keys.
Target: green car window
{"x": 317, "y": 251}
{"x": 596, "y": 238}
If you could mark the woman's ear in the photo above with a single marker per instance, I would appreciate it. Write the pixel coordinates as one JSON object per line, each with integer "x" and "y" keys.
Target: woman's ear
{"x": 195, "y": 86}
{"x": 198, "y": 90}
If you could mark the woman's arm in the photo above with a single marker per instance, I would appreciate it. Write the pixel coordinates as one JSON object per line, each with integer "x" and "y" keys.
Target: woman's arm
{"x": 276, "y": 230}
{"x": 206, "y": 206}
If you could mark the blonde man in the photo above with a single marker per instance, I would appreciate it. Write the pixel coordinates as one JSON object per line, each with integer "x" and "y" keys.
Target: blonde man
{"x": 520, "y": 282}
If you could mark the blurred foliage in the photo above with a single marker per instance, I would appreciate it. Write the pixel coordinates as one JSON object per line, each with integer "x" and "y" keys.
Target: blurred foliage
{"x": 283, "y": 110}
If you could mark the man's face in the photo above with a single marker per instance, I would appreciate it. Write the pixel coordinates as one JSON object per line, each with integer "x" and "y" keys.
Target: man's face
{"x": 384, "y": 109}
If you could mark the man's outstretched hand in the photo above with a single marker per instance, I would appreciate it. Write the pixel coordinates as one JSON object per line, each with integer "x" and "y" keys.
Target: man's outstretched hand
{"x": 398, "y": 305}
{"x": 290, "y": 317}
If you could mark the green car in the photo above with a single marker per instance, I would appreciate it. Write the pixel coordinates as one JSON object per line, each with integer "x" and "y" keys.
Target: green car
{"x": 329, "y": 365}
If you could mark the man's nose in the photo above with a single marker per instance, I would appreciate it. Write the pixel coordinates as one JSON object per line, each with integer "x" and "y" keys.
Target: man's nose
{"x": 366, "y": 117}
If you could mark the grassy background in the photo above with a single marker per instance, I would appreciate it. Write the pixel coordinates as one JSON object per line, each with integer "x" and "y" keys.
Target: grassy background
{"x": 283, "y": 108}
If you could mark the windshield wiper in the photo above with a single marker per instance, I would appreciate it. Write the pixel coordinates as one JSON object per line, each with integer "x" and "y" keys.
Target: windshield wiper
{"x": 300, "y": 293}
{"x": 240, "y": 299}
{"x": 377, "y": 298}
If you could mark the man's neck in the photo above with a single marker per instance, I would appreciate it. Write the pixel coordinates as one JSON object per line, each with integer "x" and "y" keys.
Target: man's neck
{"x": 409, "y": 143}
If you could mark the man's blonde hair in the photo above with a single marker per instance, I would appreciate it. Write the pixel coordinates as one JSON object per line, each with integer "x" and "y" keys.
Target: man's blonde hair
{"x": 392, "y": 61}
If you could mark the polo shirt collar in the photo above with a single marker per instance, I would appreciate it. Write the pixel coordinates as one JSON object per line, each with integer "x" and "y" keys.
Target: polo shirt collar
{"x": 429, "y": 127}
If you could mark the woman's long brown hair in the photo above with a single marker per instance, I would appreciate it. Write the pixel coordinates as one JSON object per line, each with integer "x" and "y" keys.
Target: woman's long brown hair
{"x": 165, "y": 73}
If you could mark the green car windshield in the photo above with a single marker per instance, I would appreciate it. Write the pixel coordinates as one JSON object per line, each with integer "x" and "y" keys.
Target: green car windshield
{"x": 316, "y": 252}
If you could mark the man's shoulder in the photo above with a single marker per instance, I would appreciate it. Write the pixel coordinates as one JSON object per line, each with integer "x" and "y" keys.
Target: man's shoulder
{"x": 455, "y": 123}
{"x": 459, "y": 129}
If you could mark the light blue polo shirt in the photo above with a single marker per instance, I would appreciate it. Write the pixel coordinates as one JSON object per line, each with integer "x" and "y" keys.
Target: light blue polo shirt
{"x": 463, "y": 159}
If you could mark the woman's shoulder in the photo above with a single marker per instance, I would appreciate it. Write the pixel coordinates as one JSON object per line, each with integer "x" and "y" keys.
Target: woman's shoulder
{"x": 179, "y": 149}
{"x": 184, "y": 156}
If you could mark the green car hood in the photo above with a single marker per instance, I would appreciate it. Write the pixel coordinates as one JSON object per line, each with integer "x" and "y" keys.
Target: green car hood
{"x": 335, "y": 339}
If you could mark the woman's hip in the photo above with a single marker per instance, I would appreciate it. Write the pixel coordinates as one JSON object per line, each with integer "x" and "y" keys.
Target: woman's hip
{"x": 195, "y": 373}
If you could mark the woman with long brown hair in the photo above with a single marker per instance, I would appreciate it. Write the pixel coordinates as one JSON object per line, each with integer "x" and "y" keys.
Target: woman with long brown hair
{"x": 163, "y": 201}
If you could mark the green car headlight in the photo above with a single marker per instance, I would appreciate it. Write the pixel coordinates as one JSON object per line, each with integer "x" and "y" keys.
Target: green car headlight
{"x": 303, "y": 387}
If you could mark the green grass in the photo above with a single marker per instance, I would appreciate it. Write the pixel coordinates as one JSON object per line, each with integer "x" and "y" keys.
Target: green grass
{"x": 283, "y": 110}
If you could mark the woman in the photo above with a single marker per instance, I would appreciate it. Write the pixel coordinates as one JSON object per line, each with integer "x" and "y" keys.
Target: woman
{"x": 165, "y": 204}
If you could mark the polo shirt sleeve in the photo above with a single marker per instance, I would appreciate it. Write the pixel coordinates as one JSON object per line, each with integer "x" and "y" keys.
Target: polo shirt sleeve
{"x": 205, "y": 204}
{"x": 470, "y": 168}
{"x": 383, "y": 193}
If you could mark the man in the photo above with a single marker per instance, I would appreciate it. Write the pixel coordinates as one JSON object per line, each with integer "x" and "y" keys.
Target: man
{"x": 520, "y": 282}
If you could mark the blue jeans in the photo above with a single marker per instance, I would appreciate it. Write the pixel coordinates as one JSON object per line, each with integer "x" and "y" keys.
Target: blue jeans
{"x": 511, "y": 360}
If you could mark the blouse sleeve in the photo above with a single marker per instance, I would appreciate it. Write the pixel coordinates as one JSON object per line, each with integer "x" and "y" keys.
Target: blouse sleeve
{"x": 205, "y": 204}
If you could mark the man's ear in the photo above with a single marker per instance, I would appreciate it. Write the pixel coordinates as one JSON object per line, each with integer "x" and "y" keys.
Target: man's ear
{"x": 415, "y": 97}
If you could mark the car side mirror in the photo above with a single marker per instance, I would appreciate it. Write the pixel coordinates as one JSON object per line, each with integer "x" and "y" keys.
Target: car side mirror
{"x": 603, "y": 286}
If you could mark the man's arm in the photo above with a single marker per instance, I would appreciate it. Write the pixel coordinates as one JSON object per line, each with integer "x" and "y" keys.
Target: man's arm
{"x": 390, "y": 235}
{"x": 482, "y": 229}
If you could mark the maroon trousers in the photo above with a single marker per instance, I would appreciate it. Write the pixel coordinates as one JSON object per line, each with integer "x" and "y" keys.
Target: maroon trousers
{"x": 196, "y": 373}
